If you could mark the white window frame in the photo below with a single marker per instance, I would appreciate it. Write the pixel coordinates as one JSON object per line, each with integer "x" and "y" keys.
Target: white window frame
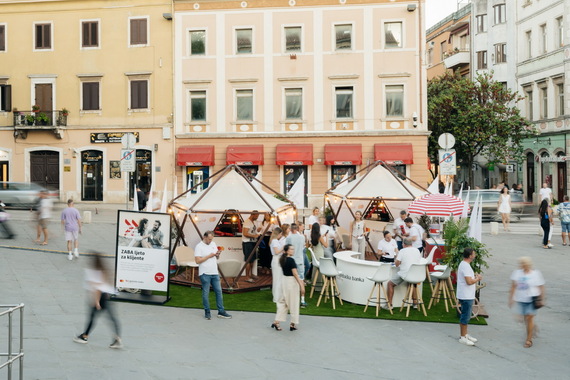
{"x": 353, "y": 116}
{"x": 543, "y": 38}
{"x": 129, "y": 31}
{"x": 253, "y": 108}
{"x": 189, "y": 46}
{"x": 90, "y": 79}
{"x": 190, "y": 97}
{"x": 543, "y": 98}
{"x": 528, "y": 37}
{"x": 293, "y": 88}
{"x": 403, "y": 42}
{"x": 236, "y": 28}
{"x": 5, "y": 25}
{"x": 81, "y": 47}
{"x": 384, "y": 98}
{"x": 502, "y": 14}
{"x": 559, "y": 96}
{"x": 560, "y": 32}
{"x": 52, "y": 47}
{"x": 352, "y": 36}
{"x": 284, "y": 38}
{"x": 529, "y": 93}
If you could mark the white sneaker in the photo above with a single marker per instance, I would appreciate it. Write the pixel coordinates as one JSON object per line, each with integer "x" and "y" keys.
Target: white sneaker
{"x": 474, "y": 340}
{"x": 76, "y": 253}
{"x": 70, "y": 256}
{"x": 466, "y": 341}
{"x": 550, "y": 245}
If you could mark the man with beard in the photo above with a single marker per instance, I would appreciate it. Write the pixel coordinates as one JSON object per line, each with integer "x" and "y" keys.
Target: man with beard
{"x": 155, "y": 236}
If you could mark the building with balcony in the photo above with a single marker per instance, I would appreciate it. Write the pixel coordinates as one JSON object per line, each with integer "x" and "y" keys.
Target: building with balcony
{"x": 297, "y": 89}
{"x": 75, "y": 76}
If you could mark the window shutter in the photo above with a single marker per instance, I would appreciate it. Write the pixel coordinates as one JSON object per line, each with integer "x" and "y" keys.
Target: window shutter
{"x": 47, "y": 36}
{"x": 85, "y": 34}
{"x": 2, "y": 38}
{"x": 139, "y": 94}
{"x": 6, "y": 98}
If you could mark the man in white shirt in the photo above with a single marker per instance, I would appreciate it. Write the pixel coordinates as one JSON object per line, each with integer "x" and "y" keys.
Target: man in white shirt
{"x": 206, "y": 255}
{"x": 416, "y": 233}
{"x": 466, "y": 280}
{"x": 546, "y": 193}
{"x": 400, "y": 229}
{"x": 387, "y": 248}
{"x": 406, "y": 257}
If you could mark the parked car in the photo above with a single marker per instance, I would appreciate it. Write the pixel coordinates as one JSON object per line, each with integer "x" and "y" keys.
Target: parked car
{"x": 19, "y": 194}
{"x": 490, "y": 204}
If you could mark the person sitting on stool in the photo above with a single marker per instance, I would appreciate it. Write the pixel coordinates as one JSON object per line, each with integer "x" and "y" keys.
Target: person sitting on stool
{"x": 387, "y": 248}
{"x": 406, "y": 257}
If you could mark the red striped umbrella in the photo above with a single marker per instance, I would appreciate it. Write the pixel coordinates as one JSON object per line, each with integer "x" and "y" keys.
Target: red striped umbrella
{"x": 437, "y": 205}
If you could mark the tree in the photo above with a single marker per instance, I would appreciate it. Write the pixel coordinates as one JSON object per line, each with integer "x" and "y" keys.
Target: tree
{"x": 482, "y": 116}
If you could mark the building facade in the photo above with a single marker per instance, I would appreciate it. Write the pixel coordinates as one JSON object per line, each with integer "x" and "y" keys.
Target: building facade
{"x": 75, "y": 76}
{"x": 295, "y": 90}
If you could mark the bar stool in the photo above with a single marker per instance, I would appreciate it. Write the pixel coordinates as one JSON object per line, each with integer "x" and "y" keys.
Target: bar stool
{"x": 416, "y": 276}
{"x": 429, "y": 260}
{"x": 441, "y": 290}
{"x": 316, "y": 273}
{"x": 382, "y": 275}
{"x": 329, "y": 272}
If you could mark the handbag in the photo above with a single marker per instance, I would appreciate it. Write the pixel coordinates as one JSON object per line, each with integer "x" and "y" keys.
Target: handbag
{"x": 537, "y": 301}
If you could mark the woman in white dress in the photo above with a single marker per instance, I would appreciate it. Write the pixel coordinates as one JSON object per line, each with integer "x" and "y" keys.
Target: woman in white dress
{"x": 276, "y": 246}
{"x": 357, "y": 240}
{"x": 504, "y": 207}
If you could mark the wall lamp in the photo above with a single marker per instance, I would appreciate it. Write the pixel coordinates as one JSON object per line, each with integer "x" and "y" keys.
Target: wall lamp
{"x": 168, "y": 16}
{"x": 412, "y": 7}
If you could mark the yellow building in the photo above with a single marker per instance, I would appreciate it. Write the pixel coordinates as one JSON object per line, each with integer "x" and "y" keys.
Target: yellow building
{"x": 75, "y": 77}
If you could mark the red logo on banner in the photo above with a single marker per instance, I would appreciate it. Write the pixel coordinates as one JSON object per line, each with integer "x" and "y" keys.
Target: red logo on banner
{"x": 159, "y": 277}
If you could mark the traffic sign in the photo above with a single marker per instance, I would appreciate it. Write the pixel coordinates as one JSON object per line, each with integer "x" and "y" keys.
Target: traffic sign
{"x": 447, "y": 162}
{"x": 128, "y": 160}
{"x": 128, "y": 140}
{"x": 446, "y": 140}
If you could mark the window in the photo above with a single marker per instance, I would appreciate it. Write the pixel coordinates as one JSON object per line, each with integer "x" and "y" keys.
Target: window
{"x": 481, "y": 21}
{"x": 560, "y": 32}
{"x": 338, "y": 173}
{"x": 395, "y": 101}
{"x": 244, "y": 105}
{"x": 500, "y": 13}
{"x": 543, "y": 39}
{"x": 392, "y": 35}
{"x": 443, "y": 46}
{"x": 544, "y": 103}
{"x": 5, "y": 98}
{"x": 197, "y": 42}
{"x": 139, "y": 31}
{"x": 500, "y": 53}
{"x": 244, "y": 43}
{"x": 90, "y": 34}
{"x": 139, "y": 94}
{"x": 293, "y": 103}
{"x": 344, "y": 102}
{"x": 560, "y": 102}
{"x": 2, "y": 37}
{"x": 197, "y": 106}
{"x": 529, "y": 44}
{"x": 293, "y": 38}
{"x": 343, "y": 36}
{"x": 43, "y": 36}
{"x": 90, "y": 92}
{"x": 482, "y": 59}
{"x": 464, "y": 42}
{"x": 529, "y": 105}
{"x": 430, "y": 57}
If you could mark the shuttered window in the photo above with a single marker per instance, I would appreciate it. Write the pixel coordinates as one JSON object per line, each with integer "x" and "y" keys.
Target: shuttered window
{"x": 90, "y": 96}
{"x": 139, "y": 31}
{"x": 2, "y": 37}
{"x": 90, "y": 31}
{"x": 139, "y": 94}
{"x": 43, "y": 36}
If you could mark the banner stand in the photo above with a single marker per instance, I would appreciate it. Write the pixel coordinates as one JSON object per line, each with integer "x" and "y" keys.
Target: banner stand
{"x": 142, "y": 259}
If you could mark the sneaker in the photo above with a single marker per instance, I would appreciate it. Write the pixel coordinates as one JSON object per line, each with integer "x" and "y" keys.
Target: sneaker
{"x": 471, "y": 338}
{"x": 76, "y": 253}
{"x": 70, "y": 256}
{"x": 385, "y": 307}
{"x": 117, "y": 343}
{"x": 466, "y": 341}
{"x": 80, "y": 339}
{"x": 207, "y": 315}
{"x": 303, "y": 305}
{"x": 550, "y": 245}
{"x": 224, "y": 315}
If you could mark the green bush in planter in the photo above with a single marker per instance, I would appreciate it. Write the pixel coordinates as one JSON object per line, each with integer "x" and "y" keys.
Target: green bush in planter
{"x": 456, "y": 240}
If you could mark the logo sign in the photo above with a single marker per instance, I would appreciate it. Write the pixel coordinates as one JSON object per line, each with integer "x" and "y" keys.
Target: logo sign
{"x": 447, "y": 162}
{"x": 110, "y": 137}
{"x": 342, "y": 163}
{"x": 128, "y": 160}
{"x": 194, "y": 164}
{"x": 510, "y": 168}
{"x": 159, "y": 277}
{"x": 552, "y": 159}
{"x": 244, "y": 163}
{"x": 291, "y": 163}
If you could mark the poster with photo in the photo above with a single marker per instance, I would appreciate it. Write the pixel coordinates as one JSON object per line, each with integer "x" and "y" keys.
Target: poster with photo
{"x": 143, "y": 246}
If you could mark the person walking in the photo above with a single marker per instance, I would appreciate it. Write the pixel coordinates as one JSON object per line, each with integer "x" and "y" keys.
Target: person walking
{"x": 292, "y": 287}
{"x": 206, "y": 255}
{"x": 504, "y": 207}
{"x": 527, "y": 283}
{"x": 357, "y": 240}
{"x": 98, "y": 285}
{"x": 4, "y": 217}
{"x": 276, "y": 246}
{"x": 564, "y": 215}
{"x": 546, "y": 222}
{"x": 297, "y": 240}
{"x": 466, "y": 286}
{"x": 43, "y": 214}
{"x": 71, "y": 223}
{"x": 141, "y": 198}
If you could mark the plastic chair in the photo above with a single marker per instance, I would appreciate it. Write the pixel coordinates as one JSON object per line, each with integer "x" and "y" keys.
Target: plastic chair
{"x": 329, "y": 272}
{"x": 382, "y": 275}
{"x": 441, "y": 290}
{"x": 185, "y": 258}
{"x": 230, "y": 268}
{"x": 416, "y": 276}
{"x": 315, "y": 264}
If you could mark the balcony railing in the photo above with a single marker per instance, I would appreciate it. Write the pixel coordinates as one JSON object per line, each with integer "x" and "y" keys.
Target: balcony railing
{"x": 456, "y": 58}
{"x": 34, "y": 119}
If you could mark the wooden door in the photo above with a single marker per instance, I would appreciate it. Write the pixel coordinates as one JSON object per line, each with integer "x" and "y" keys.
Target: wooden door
{"x": 44, "y": 169}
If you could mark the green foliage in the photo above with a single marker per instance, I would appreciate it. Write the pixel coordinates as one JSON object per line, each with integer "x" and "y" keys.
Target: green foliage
{"x": 456, "y": 240}
{"x": 281, "y": 197}
{"x": 424, "y": 221}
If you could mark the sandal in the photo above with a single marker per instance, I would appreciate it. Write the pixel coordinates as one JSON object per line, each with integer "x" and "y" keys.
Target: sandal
{"x": 276, "y": 326}
{"x": 528, "y": 344}
{"x": 250, "y": 280}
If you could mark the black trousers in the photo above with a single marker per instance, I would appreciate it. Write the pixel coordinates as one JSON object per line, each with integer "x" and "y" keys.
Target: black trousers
{"x": 545, "y": 224}
{"x": 106, "y": 305}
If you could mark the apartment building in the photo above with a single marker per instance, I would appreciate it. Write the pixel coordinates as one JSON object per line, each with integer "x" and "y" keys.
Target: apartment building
{"x": 299, "y": 89}
{"x": 75, "y": 76}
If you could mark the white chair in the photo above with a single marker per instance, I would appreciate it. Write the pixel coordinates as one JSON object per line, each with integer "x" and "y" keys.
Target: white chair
{"x": 442, "y": 290}
{"x": 382, "y": 275}
{"x": 329, "y": 272}
{"x": 230, "y": 268}
{"x": 185, "y": 258}
{"x": 416, "y": 276}
{"x": 316, "y": 273}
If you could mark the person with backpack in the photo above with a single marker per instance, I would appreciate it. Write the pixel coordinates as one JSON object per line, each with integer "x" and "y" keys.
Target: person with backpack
{"x": 564, "y": 215}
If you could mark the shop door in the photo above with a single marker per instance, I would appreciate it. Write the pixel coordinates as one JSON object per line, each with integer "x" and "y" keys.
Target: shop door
{"x": 291, "y": 175}
{"x": 4, "y": 171}
{"x": 44, "y": 169}
{"x": 142, "y": 176}
{"x": 529, "y": 176}
{"x": 44, "y": 99}
{"x": 561, "y": 170}
{"x": 195, "y": 175}
{"x": 92, "y": 181}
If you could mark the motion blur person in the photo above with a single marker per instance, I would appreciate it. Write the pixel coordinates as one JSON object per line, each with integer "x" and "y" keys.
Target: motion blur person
{"x": 43, "y": 214}
{"x": 276, "y": 246}
{"x": 249, "y": 236}
{"x": 504, "y": 207}
{"x": 297, "y": 240}
{"x": 292, "y": 287}
{"x": 546, "y": 222}
{"x": 314, "y": 218}
{"x": 71, "y": 223}
{"x": 526, "y": 284}
{"x": 400, "y": 230}
{"x": 466, "y": 287}
{"x": 564, "y": 215}
{"x": 318, "y": 241}
{"x": 4, "y": 217}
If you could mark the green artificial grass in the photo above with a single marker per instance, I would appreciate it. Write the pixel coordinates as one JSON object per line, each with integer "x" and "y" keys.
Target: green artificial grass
{"x": 262, "y": 301}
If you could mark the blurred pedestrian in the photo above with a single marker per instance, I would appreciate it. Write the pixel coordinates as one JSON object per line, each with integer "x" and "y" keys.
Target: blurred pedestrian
{"x": 527, "y": 290}
{"x": 71, "y": 223}
{"x": 4, "y": 217}
{"x": 43, "y": 214}
{"x": 546, "y": 222}
{"x": 504, "y": 207}
{"x": 141, "y": 198}
{"x": 98, "y": 284}
{"x": 292, "y": 287}
{"x": 466, "y": 287}
{"x": 564, "y": 215}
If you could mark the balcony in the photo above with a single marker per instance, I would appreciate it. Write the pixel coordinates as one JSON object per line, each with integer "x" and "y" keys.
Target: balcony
{"x": 26, "y": 121}
{"x": 456, "y": 58}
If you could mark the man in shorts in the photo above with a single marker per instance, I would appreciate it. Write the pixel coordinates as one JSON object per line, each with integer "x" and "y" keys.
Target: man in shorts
{"x": 406, "y": 257}
{"x": 249, "y": 236}
{"x": 45, "y": 205}
{"x": 71, "y": 222}
{"x": 466, "y": 286}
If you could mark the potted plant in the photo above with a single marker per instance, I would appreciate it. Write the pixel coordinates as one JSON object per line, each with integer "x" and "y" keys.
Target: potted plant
{"x": 35, "y": 108}
{"x": 15, "y": 111}
{"x": 64, "y": 112}
{"x": 456, "y": 240}
{"x": 30, "y": 119}
{"x": 42, "y": 119}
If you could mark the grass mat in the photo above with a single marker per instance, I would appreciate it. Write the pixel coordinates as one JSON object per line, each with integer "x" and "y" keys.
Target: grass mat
{"x": 262, "y": 301}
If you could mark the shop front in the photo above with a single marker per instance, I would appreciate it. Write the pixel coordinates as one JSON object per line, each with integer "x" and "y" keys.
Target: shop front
{"x": 4, "y": 165}
{"x": 92, "y": 175}
{"x": 197, "y": 160}
{"x": 343, "y": 160}
{"x": 248, "y": 157}
{"x": 397, "y": 156}
{"x": 295, "y": 160}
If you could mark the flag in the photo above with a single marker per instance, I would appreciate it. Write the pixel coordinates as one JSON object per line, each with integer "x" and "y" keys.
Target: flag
{"x": 475, "y": 223}
{"x": 135, "y": 200}
{"x": 460, "y": 191}
{"x": 189, "y": 193}
{"x": 150, "y": 200}
{"x": 296, "y": 193}
{"x": 434, "y": 187}
{"x": 465, "y": 211}
{"x": 163, "y": 203}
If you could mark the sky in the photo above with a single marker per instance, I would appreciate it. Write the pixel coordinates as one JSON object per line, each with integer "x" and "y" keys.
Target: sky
{"x": 436, "y": 10}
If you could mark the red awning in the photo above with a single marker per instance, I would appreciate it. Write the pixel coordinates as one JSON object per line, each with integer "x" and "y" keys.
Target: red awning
{"x": 195, "y": 155}
{"x": 343, "y": 154}
{"x": 394, "y": 154}
{"x": 294, "y": 154}
{"x": 244, "y": 155}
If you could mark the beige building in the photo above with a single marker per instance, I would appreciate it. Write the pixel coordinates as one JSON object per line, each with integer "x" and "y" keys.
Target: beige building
{"x": 74, "y": 77}
{"x": 299, "y": 89}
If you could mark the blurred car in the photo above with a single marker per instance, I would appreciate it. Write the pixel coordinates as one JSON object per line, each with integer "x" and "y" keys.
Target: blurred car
{"x": 20, "y": 194}
{"x": 490, "y": 204}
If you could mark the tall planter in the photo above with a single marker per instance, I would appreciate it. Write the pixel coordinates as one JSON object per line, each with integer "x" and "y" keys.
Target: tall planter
{"x": 456, "y": 240}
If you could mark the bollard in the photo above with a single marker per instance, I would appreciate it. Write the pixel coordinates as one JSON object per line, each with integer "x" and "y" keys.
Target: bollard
{"x": 86, "y": 217}
{"x": 494, "y": 228}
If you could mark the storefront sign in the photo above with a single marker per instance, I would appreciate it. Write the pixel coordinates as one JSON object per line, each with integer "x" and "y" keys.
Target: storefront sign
{"x": 343, "y": 163}
{"x": 294, "y": 163}
{"x": 244, "y": 163}
{"x": 67, "y": 168}
{"x": 193, "y": 164}
{"x": 3, "y": 155}
{"x": 91, "y": 156}
{"x": 552, "y": 159}
{"x": 110, "y": 137}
